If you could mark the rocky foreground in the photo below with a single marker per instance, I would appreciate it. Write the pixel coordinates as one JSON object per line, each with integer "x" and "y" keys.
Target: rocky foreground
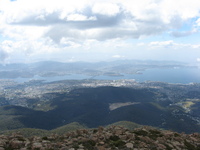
{"x": 111, "y": 138}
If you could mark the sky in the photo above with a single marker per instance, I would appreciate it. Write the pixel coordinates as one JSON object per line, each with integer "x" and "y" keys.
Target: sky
{"x": 99, "y": 30}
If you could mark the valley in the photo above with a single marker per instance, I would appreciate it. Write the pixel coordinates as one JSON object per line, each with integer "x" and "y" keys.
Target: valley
{"x": 93, "y": 103}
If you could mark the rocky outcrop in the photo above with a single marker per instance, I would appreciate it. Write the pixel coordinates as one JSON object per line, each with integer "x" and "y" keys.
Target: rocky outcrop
{"x": 111, "y": 138}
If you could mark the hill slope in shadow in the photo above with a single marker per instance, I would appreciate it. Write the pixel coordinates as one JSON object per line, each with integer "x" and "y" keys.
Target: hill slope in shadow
{"x": 91, "y": 107}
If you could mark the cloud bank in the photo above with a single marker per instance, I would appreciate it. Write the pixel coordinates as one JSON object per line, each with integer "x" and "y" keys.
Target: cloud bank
{"x": 40, "y": 26}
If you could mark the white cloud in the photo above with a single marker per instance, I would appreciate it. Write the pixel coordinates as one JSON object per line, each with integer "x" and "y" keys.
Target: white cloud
{"x": 141, "y": 44}
{"x": 162, "y": 44}
{"x": 118, "y": 56}
{"x": 144, "y": 18}
{"x": 195, "y": 46}
{"x": 3, "y": 55}
{"x": 171, "y": 45}
{"x": 39, "y": 26}
{"x": 105, "y": 8}
{"x": 198, "y": 22}
{"x": 79, "y": 17}
{"x": 69, "y": 43}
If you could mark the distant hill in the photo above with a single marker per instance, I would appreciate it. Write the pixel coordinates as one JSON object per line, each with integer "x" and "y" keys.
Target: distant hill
{"x": 68, "y": 128}
{"x": 52, "y": 68}
{"x": 28, "y": 132}
{"x": 126, "y": 124}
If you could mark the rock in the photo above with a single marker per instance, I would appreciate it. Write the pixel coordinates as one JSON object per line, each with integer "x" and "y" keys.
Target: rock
{"x": 101, "y": 143}
{"x": 15, "y": 144}
{"x": 37, "y": 145}
{"x": 175, "y": 143}
{"x": 64, "y": 148}
{"x": 118, "y": 132}
{"x": 100, "y": 129}
{"x": 161, "y": 146}
{"x": 69, "y": 142}
{"x": 2, "y": 143}
{"x": 27, "y": 143}
{"x": 129, "y": 145}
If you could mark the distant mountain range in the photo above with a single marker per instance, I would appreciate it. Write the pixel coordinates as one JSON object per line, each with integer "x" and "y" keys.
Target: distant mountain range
{"x": 51, "y": 68}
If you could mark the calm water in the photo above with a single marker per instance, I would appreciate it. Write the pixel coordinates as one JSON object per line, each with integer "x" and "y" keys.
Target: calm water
{"x": 181, "y": 75}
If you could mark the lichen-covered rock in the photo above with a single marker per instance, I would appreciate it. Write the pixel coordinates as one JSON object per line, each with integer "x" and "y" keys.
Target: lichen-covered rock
{"x": 113, "y": 137}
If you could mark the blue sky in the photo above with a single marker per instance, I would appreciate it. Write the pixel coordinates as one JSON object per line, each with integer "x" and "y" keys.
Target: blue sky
{"x": 99, "y": 30}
